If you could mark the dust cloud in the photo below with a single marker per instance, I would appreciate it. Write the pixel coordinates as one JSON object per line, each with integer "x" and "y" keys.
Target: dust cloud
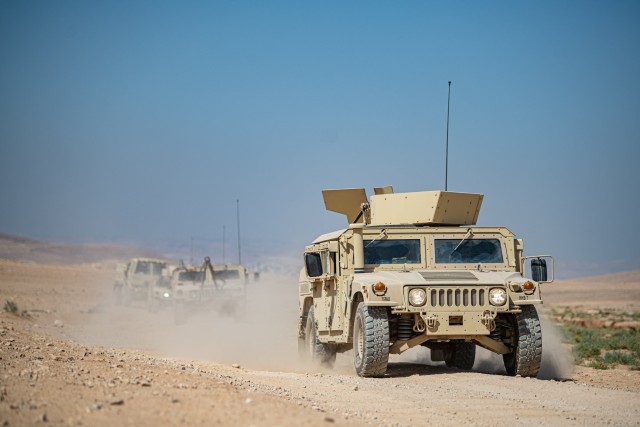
{"x": 263, "y": 335}
{"x": 557, "y": 362}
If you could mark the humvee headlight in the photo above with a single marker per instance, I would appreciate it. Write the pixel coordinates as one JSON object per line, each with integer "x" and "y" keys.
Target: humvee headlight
{"x": 497, "y": 296}
{"x": 379, "y": 288}
{"x": 529, "y": 285}
{"x": 166, "y": 295}
{"x": 417, "y": 297}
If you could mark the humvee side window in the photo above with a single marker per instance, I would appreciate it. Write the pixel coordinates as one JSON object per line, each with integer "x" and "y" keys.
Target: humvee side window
{"x": 401, "y": 251}
{"x": 470, "y": 251}
{"x": 313, "y": 264}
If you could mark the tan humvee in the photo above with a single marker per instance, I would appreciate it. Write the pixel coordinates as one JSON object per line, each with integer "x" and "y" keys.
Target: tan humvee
{"x": 221, "y": 288}
{"x": 413, "y": 269}
{"x": 135, "y": 279}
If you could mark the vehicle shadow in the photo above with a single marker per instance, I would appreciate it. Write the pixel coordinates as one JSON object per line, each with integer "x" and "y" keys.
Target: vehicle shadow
{"x": 408, "y": 369}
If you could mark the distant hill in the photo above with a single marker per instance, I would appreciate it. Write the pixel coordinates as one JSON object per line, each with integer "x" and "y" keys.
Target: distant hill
{"x": 22, "y": 249}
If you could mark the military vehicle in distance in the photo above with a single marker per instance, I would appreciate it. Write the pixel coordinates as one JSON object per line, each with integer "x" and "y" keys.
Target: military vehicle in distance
{"x": 221, "y": 288}
{"x": 413, "y": 269}
{"x": 134, "y": 280}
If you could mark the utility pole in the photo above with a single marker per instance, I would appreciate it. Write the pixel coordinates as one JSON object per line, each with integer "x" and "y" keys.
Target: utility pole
{"x": 446, "y": 164}
{"x": 238, "y": 220}
{"x": 224, "y": 243}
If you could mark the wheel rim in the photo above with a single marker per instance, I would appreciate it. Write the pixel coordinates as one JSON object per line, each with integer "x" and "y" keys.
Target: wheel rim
{"x": 359, "y": 341}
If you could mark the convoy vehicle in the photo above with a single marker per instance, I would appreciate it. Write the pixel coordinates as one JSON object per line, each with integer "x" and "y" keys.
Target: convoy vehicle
{"x": 134, "y": 280}
{"x": 220, "y": 288}
{"x": 414, "y": 269}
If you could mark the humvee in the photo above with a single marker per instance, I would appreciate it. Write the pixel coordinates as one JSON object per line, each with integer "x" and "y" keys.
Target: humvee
{"x": 134, "y": 280}
{"x": 216, "y": 287}
{"x": 414, "y": 269}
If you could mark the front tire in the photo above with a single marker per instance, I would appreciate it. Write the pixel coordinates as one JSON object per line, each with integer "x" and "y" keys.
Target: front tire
{"x": 317, "y": 351}
{"x": 526, "y": 356}
{"x": 371, "y": 341}
{"x": 461, "y": 355}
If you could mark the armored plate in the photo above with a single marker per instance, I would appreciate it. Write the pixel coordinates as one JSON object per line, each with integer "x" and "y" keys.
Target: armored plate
{"x": 426, "y": 208}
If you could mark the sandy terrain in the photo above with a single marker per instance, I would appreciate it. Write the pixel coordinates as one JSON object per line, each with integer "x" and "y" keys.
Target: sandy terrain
{"x": 618, "y": 291}
{"x": 74, "y": 358}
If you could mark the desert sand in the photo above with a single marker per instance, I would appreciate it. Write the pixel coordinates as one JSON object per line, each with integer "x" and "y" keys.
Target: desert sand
{"x": 71, "y": 357}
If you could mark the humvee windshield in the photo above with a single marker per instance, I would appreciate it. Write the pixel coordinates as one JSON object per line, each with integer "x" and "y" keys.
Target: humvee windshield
{"x": 470, "y": 251}
{"x": 153, "y": 268}
{"x": 402, "y": 251}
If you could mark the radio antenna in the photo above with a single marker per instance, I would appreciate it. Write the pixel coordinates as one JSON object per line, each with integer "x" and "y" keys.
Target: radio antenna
{"x": 446, "y": 162}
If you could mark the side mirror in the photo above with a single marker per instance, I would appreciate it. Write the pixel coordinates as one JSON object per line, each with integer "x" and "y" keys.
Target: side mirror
{"x": 539, "y": 267}
{"x": 313, "y": 264}
{"x": 539, "y": 270}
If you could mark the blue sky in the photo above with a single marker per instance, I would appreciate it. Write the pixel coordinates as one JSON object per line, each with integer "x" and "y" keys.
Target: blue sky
{"x": 145, "y": 121}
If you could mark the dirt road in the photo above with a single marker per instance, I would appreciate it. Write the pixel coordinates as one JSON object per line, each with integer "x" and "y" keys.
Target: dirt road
{"x": 74, "y": 358}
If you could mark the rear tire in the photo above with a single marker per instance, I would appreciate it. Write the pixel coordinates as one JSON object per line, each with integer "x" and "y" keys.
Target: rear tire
{"x": 317, "y": 351}
{"x": 461, "y": 355}
{"x": 526, "y": 356}
{"x": 371, "y": 341}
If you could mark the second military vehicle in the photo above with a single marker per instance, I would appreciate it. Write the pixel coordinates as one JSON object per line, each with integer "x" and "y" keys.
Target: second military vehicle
{"x": 137, "y": 278}
{"x": 413, "y": 269}
{"x": 221, "y": 288}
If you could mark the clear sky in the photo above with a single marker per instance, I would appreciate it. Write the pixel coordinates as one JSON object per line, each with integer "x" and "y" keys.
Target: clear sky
{"x": 145, "y": 121}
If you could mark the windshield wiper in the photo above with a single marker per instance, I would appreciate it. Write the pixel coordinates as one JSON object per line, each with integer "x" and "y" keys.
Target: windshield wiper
{"x": 464, "y": 239}
{"x": 382, "y": 233}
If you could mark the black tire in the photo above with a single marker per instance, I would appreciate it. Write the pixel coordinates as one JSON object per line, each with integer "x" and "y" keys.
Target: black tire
{"x": 371, "y": 341}
{"x": 461, "y": 355}
{"x": 526, "y": 356}
{"x": 317, "y": 351}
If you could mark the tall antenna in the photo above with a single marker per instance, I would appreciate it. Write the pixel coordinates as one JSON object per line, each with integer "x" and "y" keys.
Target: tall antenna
{"x": 446, "y": 164}
{"x": 238, "y": 220}
{"x": 224, "y": 243}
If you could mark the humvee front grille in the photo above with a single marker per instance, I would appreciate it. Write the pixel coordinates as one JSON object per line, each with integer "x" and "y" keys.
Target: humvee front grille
{"x": 457, "y": 297}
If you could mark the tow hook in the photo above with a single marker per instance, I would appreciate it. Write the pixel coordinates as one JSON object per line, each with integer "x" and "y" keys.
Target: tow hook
{"x": 432, "y": 321}
{"x": 488, "y": 319}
